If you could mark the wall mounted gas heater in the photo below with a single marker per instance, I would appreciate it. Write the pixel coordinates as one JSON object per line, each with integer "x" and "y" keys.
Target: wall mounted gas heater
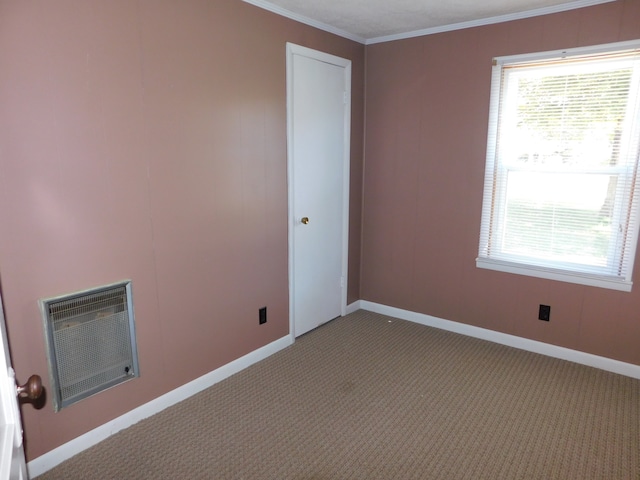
{"x": 91, "y": 343}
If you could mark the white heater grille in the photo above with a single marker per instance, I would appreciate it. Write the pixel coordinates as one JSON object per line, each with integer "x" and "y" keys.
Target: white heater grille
{"x": 90, "y": 341}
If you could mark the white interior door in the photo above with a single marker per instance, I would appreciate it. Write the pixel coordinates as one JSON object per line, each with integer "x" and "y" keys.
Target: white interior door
{"x": 318, "y": 91}
{"x": 12, "y": 462}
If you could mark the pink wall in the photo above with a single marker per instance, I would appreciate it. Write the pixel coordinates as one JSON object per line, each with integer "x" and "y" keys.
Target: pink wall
{"x": 147, "y": 140}
{"x": 427, "y": 107}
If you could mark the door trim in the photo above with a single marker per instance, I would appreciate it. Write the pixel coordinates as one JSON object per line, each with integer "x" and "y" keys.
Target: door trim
{"x": 293, "y": 49}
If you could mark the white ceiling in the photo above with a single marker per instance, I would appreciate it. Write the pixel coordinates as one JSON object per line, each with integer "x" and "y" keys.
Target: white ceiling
{"x": 373, "y": 21}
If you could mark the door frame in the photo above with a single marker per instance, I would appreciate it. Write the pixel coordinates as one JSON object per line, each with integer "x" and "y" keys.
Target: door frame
{"x": 12, "y": 459}
{"x": 293, "y": 49}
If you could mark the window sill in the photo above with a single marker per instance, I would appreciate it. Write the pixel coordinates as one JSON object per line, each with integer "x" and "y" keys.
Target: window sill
{"x": 550, "y": 274}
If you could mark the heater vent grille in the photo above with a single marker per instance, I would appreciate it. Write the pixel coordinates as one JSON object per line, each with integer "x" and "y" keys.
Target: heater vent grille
{"x": 90, "y": 341}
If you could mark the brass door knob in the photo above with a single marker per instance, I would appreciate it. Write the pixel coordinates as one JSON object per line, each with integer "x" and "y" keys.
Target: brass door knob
{"x": 32, "y": 389}
{"x": 305, "y": 220}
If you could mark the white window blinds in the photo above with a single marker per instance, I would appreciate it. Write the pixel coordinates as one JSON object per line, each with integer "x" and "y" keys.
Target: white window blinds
{"x": 560, "y": 195}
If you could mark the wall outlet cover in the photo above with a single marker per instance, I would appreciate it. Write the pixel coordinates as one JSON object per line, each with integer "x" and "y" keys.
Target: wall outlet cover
{"x": 544, "y": 313}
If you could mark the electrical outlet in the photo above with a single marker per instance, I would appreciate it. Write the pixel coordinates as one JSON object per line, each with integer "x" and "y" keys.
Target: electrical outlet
{"x": 262, "y": 315}
{"x": 544, "y": 313}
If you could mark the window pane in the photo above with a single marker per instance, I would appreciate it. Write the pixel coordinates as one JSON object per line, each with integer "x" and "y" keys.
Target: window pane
{"x": 561, "y": 198}
{"x": 560, "y": 217}
{"x": 561, "y": 119}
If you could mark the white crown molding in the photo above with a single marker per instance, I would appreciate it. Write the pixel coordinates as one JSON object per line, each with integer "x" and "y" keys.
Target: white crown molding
{"x": 306, "y": 20}
{"x": 490, "y": 20}
{"x": 426, "y": 31}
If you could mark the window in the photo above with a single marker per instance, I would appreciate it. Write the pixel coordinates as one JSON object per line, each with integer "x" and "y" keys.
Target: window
{"x": 560, "y": 194}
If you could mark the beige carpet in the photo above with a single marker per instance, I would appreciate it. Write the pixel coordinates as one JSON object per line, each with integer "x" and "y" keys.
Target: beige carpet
{"x": 371, "y": 397}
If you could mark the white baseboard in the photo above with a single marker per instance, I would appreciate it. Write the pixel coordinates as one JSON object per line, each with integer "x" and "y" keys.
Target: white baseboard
{"x": 353, "y": 307}
{"x": 603, "y": 363}
{"x": 49, "y": 460}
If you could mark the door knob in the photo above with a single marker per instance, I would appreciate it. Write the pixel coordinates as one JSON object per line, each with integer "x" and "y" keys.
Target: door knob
{"x": 305, "y": 220}
{"x": 32, "y": 389}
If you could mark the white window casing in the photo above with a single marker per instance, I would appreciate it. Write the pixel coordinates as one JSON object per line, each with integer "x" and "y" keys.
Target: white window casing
{"x": 560, "y": 193}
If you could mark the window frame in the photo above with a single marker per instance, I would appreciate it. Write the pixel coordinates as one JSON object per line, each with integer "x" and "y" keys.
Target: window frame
{"x": 494, "y": 193}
